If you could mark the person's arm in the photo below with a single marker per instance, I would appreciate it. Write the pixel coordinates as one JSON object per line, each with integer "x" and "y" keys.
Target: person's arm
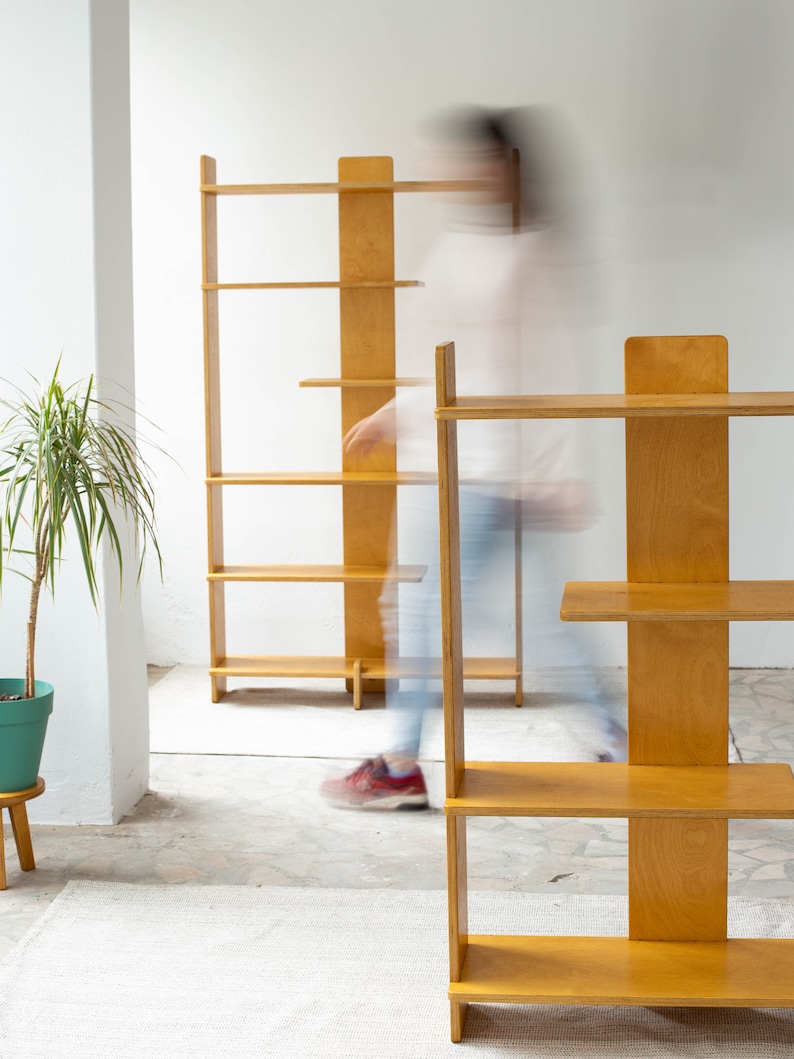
{"x": 375, "y": 429}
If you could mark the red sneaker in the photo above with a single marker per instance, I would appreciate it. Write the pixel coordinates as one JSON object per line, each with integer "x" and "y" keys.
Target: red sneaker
{"x": 371, "y": 787}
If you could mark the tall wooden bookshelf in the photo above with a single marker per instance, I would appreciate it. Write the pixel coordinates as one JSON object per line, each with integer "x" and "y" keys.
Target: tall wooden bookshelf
{"x": 677, "y": 789}
{"x": 367, "y": 379}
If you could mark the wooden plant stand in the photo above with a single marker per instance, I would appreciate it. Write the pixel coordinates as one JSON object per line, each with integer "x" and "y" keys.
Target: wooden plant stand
{"x": 17, "y": 810}
{"x": 677, "y": 790}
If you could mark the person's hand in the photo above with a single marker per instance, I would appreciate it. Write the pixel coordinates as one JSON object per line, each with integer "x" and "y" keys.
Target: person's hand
{"x": 376, "y": 429}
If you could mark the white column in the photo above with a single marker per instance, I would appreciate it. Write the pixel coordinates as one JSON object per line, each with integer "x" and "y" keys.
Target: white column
{"x": 66, "y": 276}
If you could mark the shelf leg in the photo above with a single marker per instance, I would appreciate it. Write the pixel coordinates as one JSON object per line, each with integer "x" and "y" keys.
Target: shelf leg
{"x": 458, "y": 915}
{"x": 457, "y": 1019}
{"x": 357, "y": 684}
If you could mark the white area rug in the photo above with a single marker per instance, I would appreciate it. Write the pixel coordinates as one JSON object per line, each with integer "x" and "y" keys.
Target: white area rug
{"x": 136, "y": 972}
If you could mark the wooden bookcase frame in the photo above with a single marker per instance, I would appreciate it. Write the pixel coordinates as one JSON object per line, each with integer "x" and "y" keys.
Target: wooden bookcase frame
{"x": 677, "y": 789}
{"x": 365, "y": 191}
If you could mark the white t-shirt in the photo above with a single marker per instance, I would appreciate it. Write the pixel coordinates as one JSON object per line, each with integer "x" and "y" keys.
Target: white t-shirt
{"x": 494, "y": 293}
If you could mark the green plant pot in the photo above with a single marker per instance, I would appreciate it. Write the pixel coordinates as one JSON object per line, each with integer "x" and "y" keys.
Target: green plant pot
{"x": 23, "y": 725}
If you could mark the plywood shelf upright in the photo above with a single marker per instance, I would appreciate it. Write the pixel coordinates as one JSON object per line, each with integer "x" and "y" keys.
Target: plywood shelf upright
{"x": 677, "y": 789}
{"x": 367, "y": 379}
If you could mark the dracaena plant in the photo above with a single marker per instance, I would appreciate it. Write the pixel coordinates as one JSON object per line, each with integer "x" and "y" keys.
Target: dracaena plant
{"x": 69, "y": 465}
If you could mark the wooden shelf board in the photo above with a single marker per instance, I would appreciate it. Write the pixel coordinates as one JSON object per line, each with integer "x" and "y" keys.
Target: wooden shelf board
{"x": 573, "y": 789}
{"x": 706, "y": 601}
{"x": 473, "y": 668}
{"x": 364, "y": 383}
{"x": 754, "y": 972}
{"x": 284, "y": 666}
{"x": 322, "y": 478}
{"x": 317, "y": 572}
{"x": 618, "y": 406}
{"x": 336, "y": 188}
{"x": 386, "y": 284}
{"x": 371, "y": 668}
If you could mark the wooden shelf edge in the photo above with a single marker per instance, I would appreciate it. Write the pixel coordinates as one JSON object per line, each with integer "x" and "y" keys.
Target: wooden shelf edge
{"x": 284, "y": 666}
{"x": 474, "y": 668}
{"x": 760, "y": 791}
{"x": 370, "y": 668}
{"x": 386, "y": 284}
{"x": 364, "y": 383}
{"x": 318, "y": 573}
{"x": 617, "y": 406}
{"x": 703, "y": 601}
{"x": 334, "y": 188}
{"x": 740, "y": 972}
{"x": 343, "y": 478}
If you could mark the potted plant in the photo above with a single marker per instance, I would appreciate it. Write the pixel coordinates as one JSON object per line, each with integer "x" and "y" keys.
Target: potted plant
{"x": 68, "y": 462}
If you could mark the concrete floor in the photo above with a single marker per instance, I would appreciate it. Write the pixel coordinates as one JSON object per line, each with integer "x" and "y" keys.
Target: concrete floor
{"x": 256, "y": 820}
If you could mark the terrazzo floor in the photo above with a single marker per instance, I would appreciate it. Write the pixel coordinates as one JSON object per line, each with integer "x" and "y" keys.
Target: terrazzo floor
{"x": 253, "y": 819}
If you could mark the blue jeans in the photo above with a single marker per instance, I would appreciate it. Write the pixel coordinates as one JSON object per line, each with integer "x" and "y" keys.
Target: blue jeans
{"x": 482, "y": 517}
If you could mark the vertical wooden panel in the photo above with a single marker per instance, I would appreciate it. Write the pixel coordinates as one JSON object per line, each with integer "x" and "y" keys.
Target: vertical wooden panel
{"x": 678, "y": 692}
{"x": 366, "y": 253}
{"x": 678, "y": 880}
{"x": 449, "y": 559}
{"x": 452, "y": 673}
{"x": 212, "y": 418}
{"x": 677, "y": 530}
{"x": 457, "y": 873}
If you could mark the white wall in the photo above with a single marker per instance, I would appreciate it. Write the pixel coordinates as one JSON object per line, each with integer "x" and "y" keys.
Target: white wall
{"x": 65, "y": 273}
{"x": 685, "y": 107}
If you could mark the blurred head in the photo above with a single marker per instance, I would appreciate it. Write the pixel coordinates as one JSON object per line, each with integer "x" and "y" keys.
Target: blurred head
{"x": 474, "y": 143}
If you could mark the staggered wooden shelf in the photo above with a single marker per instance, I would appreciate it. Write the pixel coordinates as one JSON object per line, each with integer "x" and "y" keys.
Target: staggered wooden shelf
{"x": 368, "y": 379}
{"x": 677, "y": 790}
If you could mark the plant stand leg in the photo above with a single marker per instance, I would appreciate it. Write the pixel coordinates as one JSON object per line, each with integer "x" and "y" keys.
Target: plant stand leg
{"x": 2, "y": 855}
{"x": 21, "y": 829}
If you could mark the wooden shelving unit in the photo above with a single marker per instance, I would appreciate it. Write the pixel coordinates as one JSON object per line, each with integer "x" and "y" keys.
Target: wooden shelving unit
{"x": 677, "y": 790}
{"x": 367, "y": 379}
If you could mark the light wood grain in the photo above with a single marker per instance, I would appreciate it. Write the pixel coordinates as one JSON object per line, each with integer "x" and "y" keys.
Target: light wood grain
{"x": 22, "y": 840}
{"x": 677, "y": 500}
{"x": 285, "y": 666}
{"x": 666, "y": 364}
{"x": 365, "y": 382}
{"x": 386, "y": 478}
{"x": 572, "y": 970}
{"x": 689, "y": 601}
{"x": 212, "y": 418}
{"x": 678, "y": 879}
{"x": 318, "y": 572}
{"x": 458, "y": 906}
{"x": 354, "y": 187}
{"x": 677, "y": 531}
{"x": 618, "y": 406}
{"x": 366, "y": 254}
{"x": 316, "y": 285}
{"x": 373, "y": 668}
{"x": 678, "y": 693}
{"x": 451, "y": 612}
{"x": 15, "y": 803}
{"x": 592, "y": 788}
{"x": 474, "y": 668}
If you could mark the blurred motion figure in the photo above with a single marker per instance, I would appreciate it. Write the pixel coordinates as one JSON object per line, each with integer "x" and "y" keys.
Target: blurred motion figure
{"x": 492, "y": 284}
